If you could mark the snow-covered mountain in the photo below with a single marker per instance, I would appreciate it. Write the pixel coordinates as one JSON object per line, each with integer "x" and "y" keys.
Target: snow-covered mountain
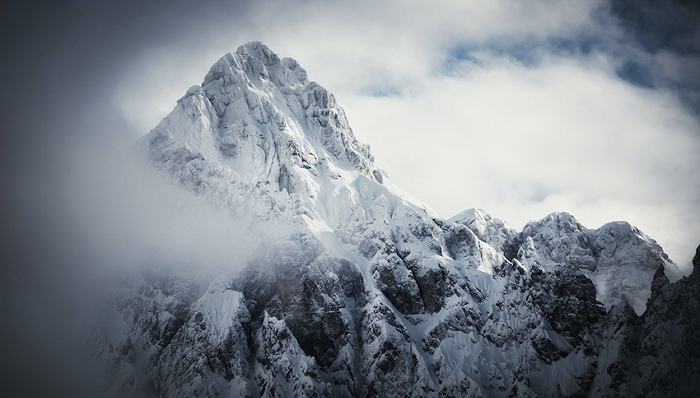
{"x": 358, "y": 290}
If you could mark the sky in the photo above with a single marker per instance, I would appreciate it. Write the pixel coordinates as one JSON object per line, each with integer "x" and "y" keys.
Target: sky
{"x": 518, "y": 108}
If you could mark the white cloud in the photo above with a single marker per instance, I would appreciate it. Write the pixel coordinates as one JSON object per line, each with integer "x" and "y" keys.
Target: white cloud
{"x": 522, "y": 142}
{"x": 346, "y": 46}
{"x": 520, "y": 139}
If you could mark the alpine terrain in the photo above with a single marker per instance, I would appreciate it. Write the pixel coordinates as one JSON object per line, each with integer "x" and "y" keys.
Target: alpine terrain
{"x": 354, "y": 289}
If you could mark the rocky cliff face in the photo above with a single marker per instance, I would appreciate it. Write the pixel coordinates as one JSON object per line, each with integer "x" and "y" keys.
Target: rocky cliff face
{"x": 357, "y": 290}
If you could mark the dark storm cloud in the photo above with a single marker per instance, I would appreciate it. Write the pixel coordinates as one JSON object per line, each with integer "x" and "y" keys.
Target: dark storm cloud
{"x": 656, "y": 44}
{"x": 659, "y": 25}
{"x": 668, "y": 34}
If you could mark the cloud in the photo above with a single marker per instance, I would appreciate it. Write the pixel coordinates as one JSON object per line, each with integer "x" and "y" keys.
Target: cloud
{"x": 85, "y": 219}
{"x": 78, "y": 208}
{"x": 353, "y": 47}
{"x": 520, "y": 108}
{"x": 523, "y": 141}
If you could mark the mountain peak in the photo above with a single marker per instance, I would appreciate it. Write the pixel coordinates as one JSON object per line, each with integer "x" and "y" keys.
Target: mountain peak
{"x": 258, "y": 63}
{"x": 257, "y": 50}
{"x": 257, "y": 123}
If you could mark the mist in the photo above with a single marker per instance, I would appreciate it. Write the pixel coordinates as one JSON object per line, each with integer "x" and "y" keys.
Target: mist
{"x": 454, "y": 112}
{"x": 81, "y": 210}
{"x": 92, "y": 216}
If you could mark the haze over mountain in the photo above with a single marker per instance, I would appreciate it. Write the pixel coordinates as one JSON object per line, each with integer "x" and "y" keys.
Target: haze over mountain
{"x": 353, "y": 288}
{"x": 520, "y": 110}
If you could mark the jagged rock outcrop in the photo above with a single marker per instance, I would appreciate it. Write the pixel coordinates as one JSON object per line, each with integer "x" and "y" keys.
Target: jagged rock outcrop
{"x": 357, "y": 290}
{"x": 670, "y": 343}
